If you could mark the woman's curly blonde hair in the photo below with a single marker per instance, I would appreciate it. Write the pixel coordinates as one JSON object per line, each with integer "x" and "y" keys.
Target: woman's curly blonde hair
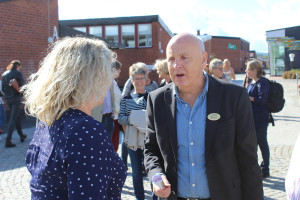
{"x": 75, "y": 72}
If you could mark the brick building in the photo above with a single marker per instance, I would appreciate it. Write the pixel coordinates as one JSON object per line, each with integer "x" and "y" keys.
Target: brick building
{"x": 233, "y": 48}
{"x": 145, "y": 38}
{"x": 26, "y": 29}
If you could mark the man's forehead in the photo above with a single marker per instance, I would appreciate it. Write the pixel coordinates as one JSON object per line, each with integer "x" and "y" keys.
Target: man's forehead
{"x": 182, "y": 47}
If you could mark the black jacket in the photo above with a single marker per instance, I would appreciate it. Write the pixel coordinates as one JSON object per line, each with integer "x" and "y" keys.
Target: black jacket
{"x": 230, "y": 142}
{"x": 9, "y": 92}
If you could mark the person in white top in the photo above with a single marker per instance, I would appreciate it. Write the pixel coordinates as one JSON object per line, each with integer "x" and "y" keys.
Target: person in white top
{"x": 228, "y": 71}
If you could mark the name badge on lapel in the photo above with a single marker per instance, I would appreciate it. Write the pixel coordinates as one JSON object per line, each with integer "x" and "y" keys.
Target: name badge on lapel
{"x": 213, "y": 116}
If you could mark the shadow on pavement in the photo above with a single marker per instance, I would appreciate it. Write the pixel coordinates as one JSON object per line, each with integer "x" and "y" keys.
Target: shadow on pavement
{"x": 285, "y": 119}
{"x": 274, "y": 183}
{"x": 13, "y": 158}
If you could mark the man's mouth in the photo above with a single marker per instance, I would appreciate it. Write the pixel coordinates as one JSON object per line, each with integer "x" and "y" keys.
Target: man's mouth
{"x": 179, "y": 75}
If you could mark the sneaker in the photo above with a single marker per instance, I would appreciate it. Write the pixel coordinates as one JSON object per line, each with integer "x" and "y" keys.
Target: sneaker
{"x": 23, "y": 137}
{"x": 9, "y": 144}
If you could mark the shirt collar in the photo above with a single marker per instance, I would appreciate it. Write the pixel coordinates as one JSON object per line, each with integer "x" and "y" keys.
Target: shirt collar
{"x": 203, "y": 93}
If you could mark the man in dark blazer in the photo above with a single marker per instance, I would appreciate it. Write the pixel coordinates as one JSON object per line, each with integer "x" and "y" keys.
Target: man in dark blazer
{"x": 222, "y": 129}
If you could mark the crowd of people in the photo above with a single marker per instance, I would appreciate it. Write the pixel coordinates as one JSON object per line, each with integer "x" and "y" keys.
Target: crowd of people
{"x": 195, "y": 132}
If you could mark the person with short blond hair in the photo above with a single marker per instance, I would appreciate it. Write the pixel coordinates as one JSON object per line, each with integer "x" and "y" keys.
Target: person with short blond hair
{"x": 71, "y": 155}
{"x": 228, "y": 70}
{"x": 161, "y": 66}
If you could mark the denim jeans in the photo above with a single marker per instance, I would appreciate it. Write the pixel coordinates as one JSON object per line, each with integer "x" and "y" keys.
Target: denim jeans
{"x": 15, "y": 118}
{"x": 2, "y": 115}
{"x": 108, "y": 122}
{"x": 136, "y": 158}
{"x": 262, "y": 141}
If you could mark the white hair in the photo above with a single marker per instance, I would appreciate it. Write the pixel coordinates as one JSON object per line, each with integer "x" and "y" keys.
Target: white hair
{"x": 215, "y": 63}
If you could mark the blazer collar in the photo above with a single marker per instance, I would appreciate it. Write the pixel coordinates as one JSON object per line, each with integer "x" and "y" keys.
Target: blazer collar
{"x": 171, "y": 120}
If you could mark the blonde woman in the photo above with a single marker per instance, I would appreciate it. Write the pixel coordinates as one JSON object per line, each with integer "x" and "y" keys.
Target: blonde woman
{"x": 228, "y": 71}
{"x": 161, "y": 66}
{"x": 258, "y": 91}
{"x": 71, "y": 155}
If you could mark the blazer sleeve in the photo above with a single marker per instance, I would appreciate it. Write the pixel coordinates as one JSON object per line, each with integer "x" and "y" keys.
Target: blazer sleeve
{"x": 246, "y": 150}
{"x": 152, "y": 154}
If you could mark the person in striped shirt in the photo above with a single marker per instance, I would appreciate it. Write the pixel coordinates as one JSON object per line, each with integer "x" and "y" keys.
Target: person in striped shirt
{"x": 135, "y": 101}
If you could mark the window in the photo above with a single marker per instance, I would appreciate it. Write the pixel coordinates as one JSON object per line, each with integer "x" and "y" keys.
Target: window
{"x": 80, "y": 28}
{"x": 112, "y": 34}
{"x": 96, "y": 30}
{"x": 128, "y": 35}
{"x": 145, "y": 35}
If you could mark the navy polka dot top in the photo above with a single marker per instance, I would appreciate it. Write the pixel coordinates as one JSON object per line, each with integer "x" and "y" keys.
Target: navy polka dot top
{"x": 74, "y": 159}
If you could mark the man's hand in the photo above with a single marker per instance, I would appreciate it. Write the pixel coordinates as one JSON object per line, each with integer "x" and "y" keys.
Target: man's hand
{"x": 162, "y": 192}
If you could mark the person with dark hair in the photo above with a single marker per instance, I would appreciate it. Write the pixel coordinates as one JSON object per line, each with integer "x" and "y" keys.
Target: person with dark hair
{"x": 258, "y": 91}
{"x": 13, "y": 99}
{"x": 116, "y": 65}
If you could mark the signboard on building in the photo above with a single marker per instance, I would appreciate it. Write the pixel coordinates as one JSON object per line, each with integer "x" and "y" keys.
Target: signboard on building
{"x": 231, "y": 46}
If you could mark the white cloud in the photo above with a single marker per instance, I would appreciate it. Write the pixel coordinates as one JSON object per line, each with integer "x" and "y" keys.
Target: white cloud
{"x": 248, "y": 19}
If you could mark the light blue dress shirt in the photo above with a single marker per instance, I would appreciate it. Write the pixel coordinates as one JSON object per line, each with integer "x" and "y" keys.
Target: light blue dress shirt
{"x": 192, "y": 178}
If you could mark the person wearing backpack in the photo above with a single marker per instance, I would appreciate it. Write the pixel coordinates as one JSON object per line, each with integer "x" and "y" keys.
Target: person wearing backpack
{"x": 258, "y": 91}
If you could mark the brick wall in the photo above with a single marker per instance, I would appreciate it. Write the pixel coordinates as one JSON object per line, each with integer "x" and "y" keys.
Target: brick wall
{"x": 147, "y": 55}
{"x": 219, "y": 48}
{"x": 24, "y": 31}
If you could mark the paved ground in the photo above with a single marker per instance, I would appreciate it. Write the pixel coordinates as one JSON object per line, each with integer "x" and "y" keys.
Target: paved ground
{"x": 14, "y": 178}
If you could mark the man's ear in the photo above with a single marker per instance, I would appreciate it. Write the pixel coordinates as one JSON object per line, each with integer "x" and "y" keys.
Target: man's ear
{"x": 204, "y": 59}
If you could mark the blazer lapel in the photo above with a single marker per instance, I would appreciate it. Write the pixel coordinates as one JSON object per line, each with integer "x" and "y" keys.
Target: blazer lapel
{"x": 214, "y": 99}
{"x": 171, "y": 118}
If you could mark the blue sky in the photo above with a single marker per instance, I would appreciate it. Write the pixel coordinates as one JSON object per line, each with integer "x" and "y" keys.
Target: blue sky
{"x": 248, "y": 19}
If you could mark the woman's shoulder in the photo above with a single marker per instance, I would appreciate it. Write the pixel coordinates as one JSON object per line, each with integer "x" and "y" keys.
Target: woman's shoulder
{"x": 74, "y": 120}
{"x": 264, "y": 81}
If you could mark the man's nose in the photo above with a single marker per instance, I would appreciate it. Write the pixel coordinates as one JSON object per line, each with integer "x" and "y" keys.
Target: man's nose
{"x": 177, "y": 63}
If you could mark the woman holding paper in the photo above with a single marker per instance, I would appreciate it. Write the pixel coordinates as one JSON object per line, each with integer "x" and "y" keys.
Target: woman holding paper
{"x": 131, "y": 110}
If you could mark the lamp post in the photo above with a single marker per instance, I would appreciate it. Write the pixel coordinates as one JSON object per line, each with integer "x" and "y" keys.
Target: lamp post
{"x": 292, "y": 57}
